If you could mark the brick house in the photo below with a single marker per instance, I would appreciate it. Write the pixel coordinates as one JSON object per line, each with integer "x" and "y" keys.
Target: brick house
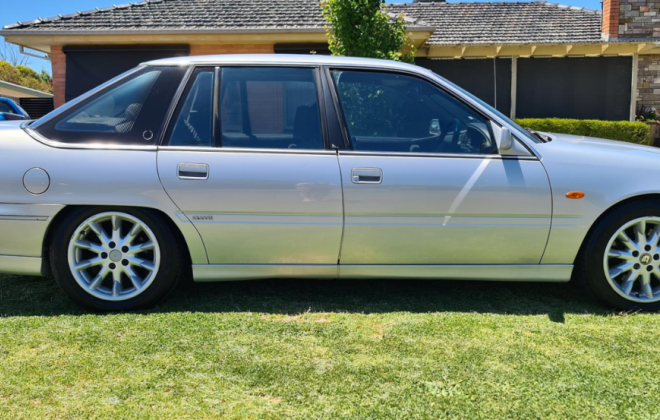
{"x": 528, "y": 59}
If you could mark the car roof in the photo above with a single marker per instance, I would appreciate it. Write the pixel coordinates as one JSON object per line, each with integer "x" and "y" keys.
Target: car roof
{"x": 284, "y": 59}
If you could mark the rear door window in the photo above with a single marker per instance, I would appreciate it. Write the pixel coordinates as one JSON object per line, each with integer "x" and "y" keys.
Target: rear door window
{"x": 270, "y": 108}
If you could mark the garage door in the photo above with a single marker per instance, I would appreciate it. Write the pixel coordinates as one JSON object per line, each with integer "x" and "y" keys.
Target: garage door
{"x": 488, "y": 79}
{"x": 88, "y": 67}
{"x": 582, "y": 88}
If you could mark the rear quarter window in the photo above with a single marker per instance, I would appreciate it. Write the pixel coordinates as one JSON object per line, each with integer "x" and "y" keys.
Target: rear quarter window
{"x": 128, "y": 112}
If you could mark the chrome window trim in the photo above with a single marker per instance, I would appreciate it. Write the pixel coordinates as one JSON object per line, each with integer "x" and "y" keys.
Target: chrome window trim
{"x": 246, "y": 150}
{"x": 435, "y": 155}
{"x": 93, "y": 146}
{"x": 438, "y": 82}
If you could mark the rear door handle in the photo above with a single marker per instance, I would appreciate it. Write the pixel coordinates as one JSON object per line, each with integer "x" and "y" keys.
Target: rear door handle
{"x": 367, "y": 175}
{"x": 193, "y": 171}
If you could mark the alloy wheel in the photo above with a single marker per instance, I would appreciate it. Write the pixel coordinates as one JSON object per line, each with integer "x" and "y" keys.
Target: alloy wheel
{"x": 114, "y": 256}
{"x": 632, "y": 260}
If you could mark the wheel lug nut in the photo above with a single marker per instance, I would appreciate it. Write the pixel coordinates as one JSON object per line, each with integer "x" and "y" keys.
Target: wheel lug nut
{"x": 649, "y": 268}
{"x": 112, "y": 266}
{"x": 647, "y": 247}
{"x": 635, "y": 254}
{"x": 104, "y": 255}
{"x": 124, "y": 263}
{"x": 656, "y": 257}
{"x": 112, "y": 244}
{"x": 637, "y": 266}
{"x": 124, "y": 249}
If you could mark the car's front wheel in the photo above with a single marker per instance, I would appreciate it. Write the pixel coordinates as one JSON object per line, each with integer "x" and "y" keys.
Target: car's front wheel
{"x": 112, "y": 260}
{"x": 620, "y": 261}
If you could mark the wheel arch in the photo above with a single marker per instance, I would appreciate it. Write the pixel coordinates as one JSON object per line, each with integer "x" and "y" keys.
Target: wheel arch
{"x": 614, "y": 207}
{"x": 67, "y": 210}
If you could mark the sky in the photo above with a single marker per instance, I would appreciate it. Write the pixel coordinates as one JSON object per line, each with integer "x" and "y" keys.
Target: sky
{"x": 12, "y": 11}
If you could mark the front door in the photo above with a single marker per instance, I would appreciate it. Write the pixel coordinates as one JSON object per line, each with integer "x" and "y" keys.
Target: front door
{"x": 424, "y": 183}
{"x": 244, "y": 160}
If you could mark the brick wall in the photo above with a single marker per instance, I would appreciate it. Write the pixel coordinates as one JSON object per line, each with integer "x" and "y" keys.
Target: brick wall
{"x": 58, "y": 61}
{"x": 638, "y": 18}
{"x": 611, "y": 18}
{"x": 648, "y": 81}
{"x": 204, "y": 49}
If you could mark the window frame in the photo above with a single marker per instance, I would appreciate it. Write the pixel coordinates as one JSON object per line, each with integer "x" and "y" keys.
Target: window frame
{"x": 217, "y": 145}
{"x": 328, "y": 69}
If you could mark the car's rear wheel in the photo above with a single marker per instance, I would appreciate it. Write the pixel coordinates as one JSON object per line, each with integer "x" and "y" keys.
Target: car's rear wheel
{"x": 109, "y": 259}
{"x": 620, "y": 261}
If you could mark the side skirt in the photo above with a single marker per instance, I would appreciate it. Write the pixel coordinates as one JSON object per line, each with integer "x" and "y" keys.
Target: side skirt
{"x": 526, "y": 272}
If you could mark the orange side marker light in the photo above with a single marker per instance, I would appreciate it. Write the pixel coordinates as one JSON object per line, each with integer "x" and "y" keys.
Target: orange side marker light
{"x": 575, "y": 195}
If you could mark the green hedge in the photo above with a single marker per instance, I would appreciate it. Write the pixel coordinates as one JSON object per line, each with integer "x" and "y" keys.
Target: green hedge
{"x": 632, "y": 132}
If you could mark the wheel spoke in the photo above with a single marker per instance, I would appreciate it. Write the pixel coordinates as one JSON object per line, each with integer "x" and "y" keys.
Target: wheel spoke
{"x": 116, "y": 229}
{"x": 628, "y": 284}
{"x": 646, "y": 285}
{"x": 135, "y": 231}
{"x": 624, "y": 255}
{"x": 90, "y": 246}
{"x": 142, "y": 263}
{"x": 98, "y": 280}
{"x": 621, "y": 269}
{"x": 100, "y": 233}
{"x": 136, "y": 249}
{"x": 116, "y": 283}
{"x": 655, "y": 236}
{"x": 640, "y": 233}
{"x": 135, "y": 279}
{"x": 85, "y": 264}
{"x": 625, "y": 240}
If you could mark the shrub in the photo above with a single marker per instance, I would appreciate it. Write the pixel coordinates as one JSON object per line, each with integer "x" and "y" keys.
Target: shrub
{"x": 365, "y": 28}
{"x": 632, "y": 132}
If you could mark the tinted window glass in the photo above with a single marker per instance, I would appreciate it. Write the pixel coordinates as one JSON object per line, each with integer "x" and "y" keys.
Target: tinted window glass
{"x": 5, "y": 107}
{"x": 193, "y": 123}
{"x": 270, "y": 108}
{"x": 389, "y": 112}
{"x": 128, "y": 112}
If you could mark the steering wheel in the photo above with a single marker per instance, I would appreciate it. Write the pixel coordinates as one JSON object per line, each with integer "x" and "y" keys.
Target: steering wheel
{"x": 452, "y": 147}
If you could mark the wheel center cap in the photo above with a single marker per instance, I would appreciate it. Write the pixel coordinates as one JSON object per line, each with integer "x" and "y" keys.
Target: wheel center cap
{"x": 646, "y": 259}
{"x": 115, "y": 255}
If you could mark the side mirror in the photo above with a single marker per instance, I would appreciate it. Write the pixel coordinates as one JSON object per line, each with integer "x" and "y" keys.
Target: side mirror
{"x": 506, "y": 139}
{"x": 434, "y": 129}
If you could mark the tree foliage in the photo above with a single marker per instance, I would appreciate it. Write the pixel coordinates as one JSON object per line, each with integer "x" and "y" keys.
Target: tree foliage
{"x": 364, "y": 28}
{"x": 25, "y": 76}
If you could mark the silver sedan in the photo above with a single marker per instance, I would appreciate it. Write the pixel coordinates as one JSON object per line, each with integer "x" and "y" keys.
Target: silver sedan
{"x": 249, "y": 167}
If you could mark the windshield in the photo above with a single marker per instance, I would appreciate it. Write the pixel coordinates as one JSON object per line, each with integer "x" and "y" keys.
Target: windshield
{"x": 494, "y": 111}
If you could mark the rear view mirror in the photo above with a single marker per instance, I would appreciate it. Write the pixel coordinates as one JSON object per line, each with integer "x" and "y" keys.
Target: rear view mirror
{"x": 434, "y": 129}
{"x": 506, "y": 139}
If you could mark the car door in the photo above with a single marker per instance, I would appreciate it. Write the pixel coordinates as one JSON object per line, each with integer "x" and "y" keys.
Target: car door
{"x": 423, "y": 181}
{"x": 244, "y": 159}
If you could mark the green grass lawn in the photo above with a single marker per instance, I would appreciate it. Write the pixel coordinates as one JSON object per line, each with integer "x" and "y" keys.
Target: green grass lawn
{"x": 333, "y": 350}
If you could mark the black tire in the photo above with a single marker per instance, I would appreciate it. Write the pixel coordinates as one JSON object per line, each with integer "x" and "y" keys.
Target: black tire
{"x": 169, "y": 272}
{"x": 589, "y": 267}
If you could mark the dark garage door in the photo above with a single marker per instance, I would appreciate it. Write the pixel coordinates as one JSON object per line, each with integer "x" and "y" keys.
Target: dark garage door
{"x": 88, "y": 67}
{"x": 582, "y": 88}
{"x": 477, "y": 76}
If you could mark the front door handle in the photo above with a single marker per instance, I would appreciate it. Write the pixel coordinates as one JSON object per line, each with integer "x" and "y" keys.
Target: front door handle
{"x": 367, "y": 175}
{"x": 193, "y": 171}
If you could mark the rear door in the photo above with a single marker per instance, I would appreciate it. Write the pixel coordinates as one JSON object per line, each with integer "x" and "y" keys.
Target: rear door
{"x": 245, "y": 160}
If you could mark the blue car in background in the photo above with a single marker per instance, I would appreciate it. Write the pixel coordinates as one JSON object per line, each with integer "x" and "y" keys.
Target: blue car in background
{"x": 10, "y": 110}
